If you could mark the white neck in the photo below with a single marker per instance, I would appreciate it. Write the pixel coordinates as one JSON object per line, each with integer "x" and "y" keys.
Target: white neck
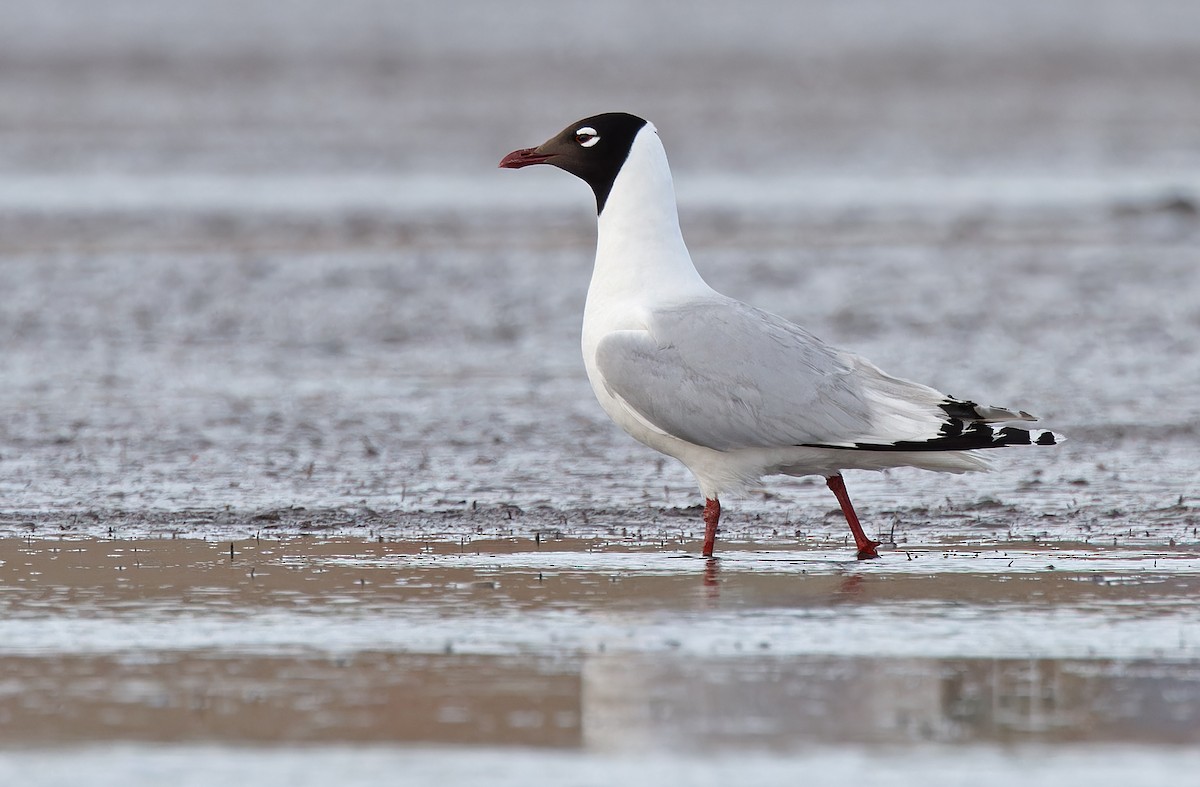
{"x": 640, "y": 254}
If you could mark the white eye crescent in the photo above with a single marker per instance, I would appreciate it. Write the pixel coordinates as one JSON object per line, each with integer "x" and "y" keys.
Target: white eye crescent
{"x": 586, "y": 136}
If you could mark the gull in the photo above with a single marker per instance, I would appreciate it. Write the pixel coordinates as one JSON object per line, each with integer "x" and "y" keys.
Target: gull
{"x": 731, "y": 391}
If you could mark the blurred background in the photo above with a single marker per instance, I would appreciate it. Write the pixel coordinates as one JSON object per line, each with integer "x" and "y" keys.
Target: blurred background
{"x": 863, "y": 88}
{"x": 257, "y": 254}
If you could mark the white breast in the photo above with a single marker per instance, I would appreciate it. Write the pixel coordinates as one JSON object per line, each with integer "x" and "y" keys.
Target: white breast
{"x": 641, "y": 263}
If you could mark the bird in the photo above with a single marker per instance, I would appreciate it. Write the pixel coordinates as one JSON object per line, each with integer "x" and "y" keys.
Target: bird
{"x": 734, "y": 392}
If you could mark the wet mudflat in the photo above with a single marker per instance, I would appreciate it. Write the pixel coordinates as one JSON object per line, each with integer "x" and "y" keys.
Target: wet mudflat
{"x": 601, "y": 656}
{"x": 301, "y": 481}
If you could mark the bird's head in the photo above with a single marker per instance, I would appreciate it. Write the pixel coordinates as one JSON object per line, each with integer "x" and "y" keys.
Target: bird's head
{"x": 592, "y": 149}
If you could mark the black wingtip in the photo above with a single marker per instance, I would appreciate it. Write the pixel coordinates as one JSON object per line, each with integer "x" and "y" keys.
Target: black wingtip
{"x": 959, "y": 410}
{"x": 974, "y": 437}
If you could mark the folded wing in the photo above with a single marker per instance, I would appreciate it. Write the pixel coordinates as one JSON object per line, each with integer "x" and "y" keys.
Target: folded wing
{"x": 724, "y": 375}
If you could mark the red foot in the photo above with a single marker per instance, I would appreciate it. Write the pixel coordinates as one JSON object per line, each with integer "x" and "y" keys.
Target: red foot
{"x": 869, "y": 553}
{"x": 866, "y": 547}
{"x": 712, "y": 514}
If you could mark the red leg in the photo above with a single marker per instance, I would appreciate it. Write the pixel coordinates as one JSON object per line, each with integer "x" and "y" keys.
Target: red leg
{"x": 712, "y": 513}
{"x": 866, "y": 547}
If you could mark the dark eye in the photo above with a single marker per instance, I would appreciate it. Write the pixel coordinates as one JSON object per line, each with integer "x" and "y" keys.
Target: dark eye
{"x": 586, "y": 137}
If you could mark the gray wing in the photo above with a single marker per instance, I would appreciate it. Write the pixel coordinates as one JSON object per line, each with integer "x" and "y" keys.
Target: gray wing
{"x": 725, "y": 375}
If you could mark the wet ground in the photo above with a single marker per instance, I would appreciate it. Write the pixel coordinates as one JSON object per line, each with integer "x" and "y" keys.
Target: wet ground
{"x": 301, "y": 480}
{"x": 590, "y": 659}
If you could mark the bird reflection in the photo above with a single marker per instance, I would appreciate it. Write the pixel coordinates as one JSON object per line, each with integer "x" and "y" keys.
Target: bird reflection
{"x": 712, "y": 582}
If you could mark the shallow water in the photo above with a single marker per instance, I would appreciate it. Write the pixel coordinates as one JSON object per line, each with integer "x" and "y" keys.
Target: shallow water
{"x": 264, "y": 291}
{"x": 593, "y": 646}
